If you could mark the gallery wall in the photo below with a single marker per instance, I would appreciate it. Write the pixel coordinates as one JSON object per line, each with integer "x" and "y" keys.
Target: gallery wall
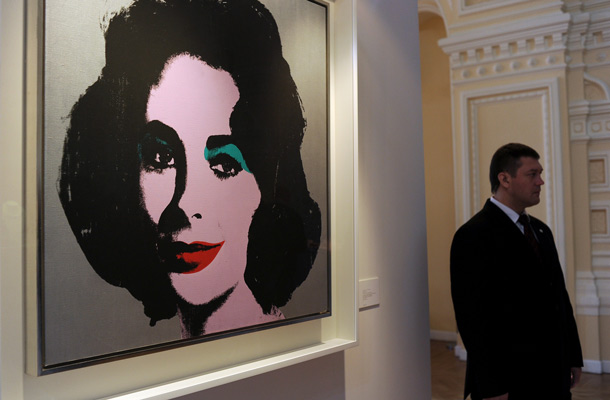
{"x": 392, "y": 359}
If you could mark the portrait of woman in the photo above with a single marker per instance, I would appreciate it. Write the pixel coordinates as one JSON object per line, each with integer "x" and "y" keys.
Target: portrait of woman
{"x": 181, "y": 175}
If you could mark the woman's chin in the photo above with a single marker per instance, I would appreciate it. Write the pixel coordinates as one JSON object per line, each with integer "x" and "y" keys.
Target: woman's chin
{"x": 250, "y": 314}
{"x": 194, "y": 289}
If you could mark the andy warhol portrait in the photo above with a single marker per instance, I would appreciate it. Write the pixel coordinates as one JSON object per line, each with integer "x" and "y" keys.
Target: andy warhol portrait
{"x": 181, "y": 176}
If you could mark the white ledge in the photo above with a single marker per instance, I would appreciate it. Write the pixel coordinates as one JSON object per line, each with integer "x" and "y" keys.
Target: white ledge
{"x": 508, "y": 32}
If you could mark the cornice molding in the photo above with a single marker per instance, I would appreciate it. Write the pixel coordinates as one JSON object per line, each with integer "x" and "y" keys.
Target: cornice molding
{"x": 589, "y": 120}
{"x": 486, "y": 6}
{"x": 578, "y": 29}
{"x": 593, "y": 5}
{"x": 508, "y": 68}
{"x": 520, "y": 47}
{"x": 483, "y": 8}
{"x": 580, "y": 108}
{"x": 599, "y": 107}
{"x": 431, "y": 6}
{"x": 553, "y": 25}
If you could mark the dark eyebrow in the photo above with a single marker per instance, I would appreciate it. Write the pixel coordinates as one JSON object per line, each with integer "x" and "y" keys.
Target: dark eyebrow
{"x": 216, "y": 141}
{"x": 160, "y": 130}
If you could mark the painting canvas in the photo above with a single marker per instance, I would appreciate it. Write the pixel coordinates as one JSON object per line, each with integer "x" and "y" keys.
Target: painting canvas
{"x": 185, "y": 173}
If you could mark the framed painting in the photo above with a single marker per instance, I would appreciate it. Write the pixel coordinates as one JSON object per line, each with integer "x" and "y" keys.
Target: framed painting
{"x": 185, "y": 174}
{"x": 34, "y": 223}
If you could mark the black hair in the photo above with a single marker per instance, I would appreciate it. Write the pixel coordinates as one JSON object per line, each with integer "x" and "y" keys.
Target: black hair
{"x": 508, "y": 159}
{"x": 99, "y": 179}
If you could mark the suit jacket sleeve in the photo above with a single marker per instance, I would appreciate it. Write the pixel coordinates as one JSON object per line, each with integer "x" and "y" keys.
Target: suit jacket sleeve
{"x": 479, "y": 294}
{"x": 571, "y": 341}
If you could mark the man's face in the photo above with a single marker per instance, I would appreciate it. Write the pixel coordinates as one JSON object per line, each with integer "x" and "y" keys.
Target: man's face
{"x": 523, "y": 189}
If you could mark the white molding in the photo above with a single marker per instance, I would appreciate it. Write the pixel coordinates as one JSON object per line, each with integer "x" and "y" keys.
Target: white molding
{"x": 599, "y": 82}
{"x": 509, "y": 32}
{"x": 605, "y": 206}
{"x": 480, "y": 8}
{"x": 548, "y": 91}
{"x": 606, "y": 366}
{"x": 465, "y": 9}
{"x": 579, "y": 108}
{"x": 460, "y": 352}
{"x": 444, "y": 336}
{"x": 510, "y": 68}
{"x": 593, "y": 287}
{"x": 587, "y": 300}
{"x": 578, "y": 29}
{"x": 591, "y": 66}
{"x": 600, "y": 19}
{"x": 605, "y": 186}
{"x": 431, "y": 6}
{"x": 601, "y": 272}
{"x": 594, "y": 116}
{"x": 603, "y": 291}
{"x": 600, "y": 259}
{"x": 589, "y": 4}
{"x": 600, "y": 108}
{"x": 592, "y": 366}
{"x": 474, "y": 134}
{"x": 578, "y": 112}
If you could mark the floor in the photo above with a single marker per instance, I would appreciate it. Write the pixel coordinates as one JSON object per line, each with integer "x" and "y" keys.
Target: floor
{"x": 448, "y": 377}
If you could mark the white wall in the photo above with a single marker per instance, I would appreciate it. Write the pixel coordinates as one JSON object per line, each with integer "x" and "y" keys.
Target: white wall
{"x": 392, "y": 360}
{"x": 11, "y": 124}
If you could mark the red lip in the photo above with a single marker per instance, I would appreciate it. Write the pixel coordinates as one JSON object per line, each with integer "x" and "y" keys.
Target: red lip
{"x": 201, "y": 256}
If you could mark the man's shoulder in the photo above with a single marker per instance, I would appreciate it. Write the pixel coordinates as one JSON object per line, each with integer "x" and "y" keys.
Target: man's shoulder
{"x": 479, "y": 228}
{"x": 536, "y": 221}
{"x": 487, "y": 216}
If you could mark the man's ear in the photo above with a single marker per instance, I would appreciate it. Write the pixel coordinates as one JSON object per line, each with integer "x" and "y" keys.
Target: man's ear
{"x": 504, "y": 179}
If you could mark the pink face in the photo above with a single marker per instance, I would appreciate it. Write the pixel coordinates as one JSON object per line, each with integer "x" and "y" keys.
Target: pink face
{"x": 206, "y": 181}
{"x": 525, "y": 186}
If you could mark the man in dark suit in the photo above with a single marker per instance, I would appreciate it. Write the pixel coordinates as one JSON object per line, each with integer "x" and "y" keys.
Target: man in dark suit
{"x": 511, "y": 304}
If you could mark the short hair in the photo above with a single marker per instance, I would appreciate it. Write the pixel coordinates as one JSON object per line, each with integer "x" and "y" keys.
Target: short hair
{"x": 508, "y": 159}
{"x": 99, "y": 179}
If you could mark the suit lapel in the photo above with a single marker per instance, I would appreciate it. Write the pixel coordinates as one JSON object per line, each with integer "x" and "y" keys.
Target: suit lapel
{"x": 508, "y": 231}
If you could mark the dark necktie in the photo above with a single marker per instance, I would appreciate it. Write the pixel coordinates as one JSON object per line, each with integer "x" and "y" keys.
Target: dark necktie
{"x": 529, "y": 234}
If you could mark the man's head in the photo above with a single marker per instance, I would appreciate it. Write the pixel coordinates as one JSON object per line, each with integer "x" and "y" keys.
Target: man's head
{"x": 515, "y": 176}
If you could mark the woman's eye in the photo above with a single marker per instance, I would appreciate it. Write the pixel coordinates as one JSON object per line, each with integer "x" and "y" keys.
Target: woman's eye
{"x": 156, "y": 155}
{"x": 224, "y": 166}
{"x": 164, "y": 159}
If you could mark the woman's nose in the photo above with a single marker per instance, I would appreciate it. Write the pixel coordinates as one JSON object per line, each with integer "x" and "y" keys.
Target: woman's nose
{"x": 193, "y": 198}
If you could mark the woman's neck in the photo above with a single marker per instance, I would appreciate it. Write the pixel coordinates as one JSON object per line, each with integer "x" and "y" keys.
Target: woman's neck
{"x": 236, "y": 308}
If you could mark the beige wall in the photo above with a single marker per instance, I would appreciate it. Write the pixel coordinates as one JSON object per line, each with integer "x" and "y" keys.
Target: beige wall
{"x": 438, "y": 161}
{"x": 538, "y": 72}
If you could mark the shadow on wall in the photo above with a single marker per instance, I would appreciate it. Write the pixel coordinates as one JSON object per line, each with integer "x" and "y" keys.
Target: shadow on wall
{"x": 319, "y": 379}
